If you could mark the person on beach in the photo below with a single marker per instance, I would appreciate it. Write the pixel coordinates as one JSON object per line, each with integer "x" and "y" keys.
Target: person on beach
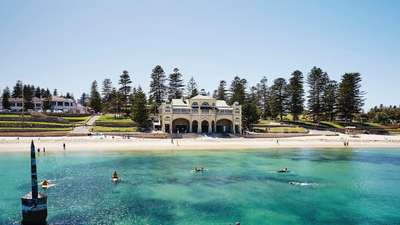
{"x": 38, "y": 150}
{"x": 64, "y": 145}
{"x": 44, "y": 149}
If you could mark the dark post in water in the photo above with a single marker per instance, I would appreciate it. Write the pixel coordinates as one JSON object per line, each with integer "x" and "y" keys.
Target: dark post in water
{"x": 34, "y": 204}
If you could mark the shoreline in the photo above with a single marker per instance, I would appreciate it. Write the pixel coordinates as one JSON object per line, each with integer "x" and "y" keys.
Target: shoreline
{"x": 119, "y": 144}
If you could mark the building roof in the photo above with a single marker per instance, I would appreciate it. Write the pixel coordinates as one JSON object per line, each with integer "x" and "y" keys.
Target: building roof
{"x": 178, "y": 103}
{"x": 61, "y": 99}
{"x": 202, "y": 97}
{"x": 221, "y": 104}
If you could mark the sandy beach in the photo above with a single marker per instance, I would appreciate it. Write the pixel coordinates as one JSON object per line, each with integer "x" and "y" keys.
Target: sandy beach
{"x": 108, "y": 143}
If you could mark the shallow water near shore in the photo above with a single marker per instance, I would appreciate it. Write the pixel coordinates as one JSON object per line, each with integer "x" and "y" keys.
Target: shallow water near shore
{"x": 323, "y": 187}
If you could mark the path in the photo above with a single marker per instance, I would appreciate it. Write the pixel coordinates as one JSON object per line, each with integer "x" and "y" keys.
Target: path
{"x": 85, "y": 129}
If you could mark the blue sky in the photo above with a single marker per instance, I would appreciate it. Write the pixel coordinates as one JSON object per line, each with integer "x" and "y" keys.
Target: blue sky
{"x": 68, "y": 44}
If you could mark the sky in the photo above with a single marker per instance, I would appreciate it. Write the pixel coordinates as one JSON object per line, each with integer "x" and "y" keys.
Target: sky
{"x": 68, "y": 44}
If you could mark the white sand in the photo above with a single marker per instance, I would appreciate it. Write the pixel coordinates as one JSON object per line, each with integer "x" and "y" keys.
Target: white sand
{"x": 52, "y": 144}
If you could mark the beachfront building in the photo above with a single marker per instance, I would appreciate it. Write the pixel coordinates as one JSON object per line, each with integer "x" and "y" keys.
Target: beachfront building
{"x": 200, "y": 114}
{"x": 57, "y": 105}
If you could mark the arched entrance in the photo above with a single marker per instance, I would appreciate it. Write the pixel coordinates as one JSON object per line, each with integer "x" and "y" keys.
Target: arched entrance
{"x": 204, "y": 126}
{"x": 195, "y": 126}
{"x": 180, "y": 125}
{"x": 224, "y": 126}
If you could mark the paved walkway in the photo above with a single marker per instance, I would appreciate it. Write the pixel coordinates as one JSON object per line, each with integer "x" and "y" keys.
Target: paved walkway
{"x": 86, "y": 128}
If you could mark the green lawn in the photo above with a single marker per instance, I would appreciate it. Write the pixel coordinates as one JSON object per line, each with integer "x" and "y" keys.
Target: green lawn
{"x": 332, "y": 124}
{"x": 77, "y": 121}
{"x": 33, "y": 124}
{"x": 113, "y": 129}
{"x": 109, "y": 120}
{"x": 13, "y": 115}
{"x": 31, "y": 129}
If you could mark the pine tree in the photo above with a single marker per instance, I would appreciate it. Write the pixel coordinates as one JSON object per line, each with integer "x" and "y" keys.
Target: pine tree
{"x": 221, "y": 91}
{"x": 139, "y": 108}
{"x": 329, "y": 98}
{"x": 191, "y": 88}
{"x": 296, "y": 94}
{"x": 157, "y": 85}
{"x": 69, "y": 95}
{"x": 279, "y": 98}
{"x": 5, "y": 98}
{"x": 350, "y": 96}
{"x": 238, "y": 90}
{"x": 175, "y": 88}
{"x": 28, "y": 92}
{"x": 83, "y": 99}
{"x": 115, "y": 101}
{"x": 316, "y": 80}
{"x": 106, "y": 94}
{"x": 125, "y": 90}
{"x": 106, "y": 88}
{"x": 250, "y": 113}
{"x": 263, "y": 94}
{"x": 55, "y": 92}
{"x": 17, "y": 90}
{"x": 95, "y": 99}
{"x": 38, "y": 93}
{"x": 47, "y": 100}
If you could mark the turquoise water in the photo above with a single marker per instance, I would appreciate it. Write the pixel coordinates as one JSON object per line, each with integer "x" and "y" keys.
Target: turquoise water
{"x": 333, "y": 187}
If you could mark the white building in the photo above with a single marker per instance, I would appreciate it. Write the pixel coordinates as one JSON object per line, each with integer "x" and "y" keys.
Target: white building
{"x": 200, "y": 114}
{"x": 57, "y": 105}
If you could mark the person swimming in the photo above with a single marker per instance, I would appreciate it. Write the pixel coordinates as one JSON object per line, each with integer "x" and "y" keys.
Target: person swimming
{"x": 284, "y": 170}
{"x": 114, "y": 176}
{"x": 198, "y": 169}
{"x": 45, "y": 184}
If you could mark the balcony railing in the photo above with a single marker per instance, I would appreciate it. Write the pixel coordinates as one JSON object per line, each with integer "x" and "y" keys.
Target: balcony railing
{"x": 202, "y": 111}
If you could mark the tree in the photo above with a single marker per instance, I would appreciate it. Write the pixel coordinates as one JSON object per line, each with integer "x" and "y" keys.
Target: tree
{"x": 107, "y": 88}
{"x": 38, "y": 93}
{"x": 125, "y": 90}
{"x": 95, "y": 99}
{"x": 250, "y": 113}
{"x": 28, "y": 92}
{"x": 175, "y": 88}
{"x": 350, "y": 96}
{"x": 296, "y": 94}
{"x": 221, "y": 91}
{"x": 69, "y": 96}
{"x": 115, "y": 101}
{"x": 238, "y": 90}
{"x": 279, "y": 98}
{"x": 192, "y": 89}
{"x": 316, "y": 80}
{"x": 83, "y": 99}
{"x": 263, "y": 94}
{"x": 157, "y": 85}
{"x": 329, "y": 98}
{"x": 17, "y": 90}
{"x": 55, "y": 92}
{"x": 5, "y": 98}
{"x": 139, "y": 108}
{"x": 106, "y": 94}
{"x": 47, "y": 99}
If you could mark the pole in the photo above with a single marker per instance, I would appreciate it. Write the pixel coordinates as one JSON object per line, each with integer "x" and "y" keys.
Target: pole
{"x": 34, "y": 173}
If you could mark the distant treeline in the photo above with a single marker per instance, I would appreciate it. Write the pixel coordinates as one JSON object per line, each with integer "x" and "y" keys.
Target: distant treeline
{"x": 326, "y": 99}
{"x": 385, "y": 114}
{"x": 28, "y": 92}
